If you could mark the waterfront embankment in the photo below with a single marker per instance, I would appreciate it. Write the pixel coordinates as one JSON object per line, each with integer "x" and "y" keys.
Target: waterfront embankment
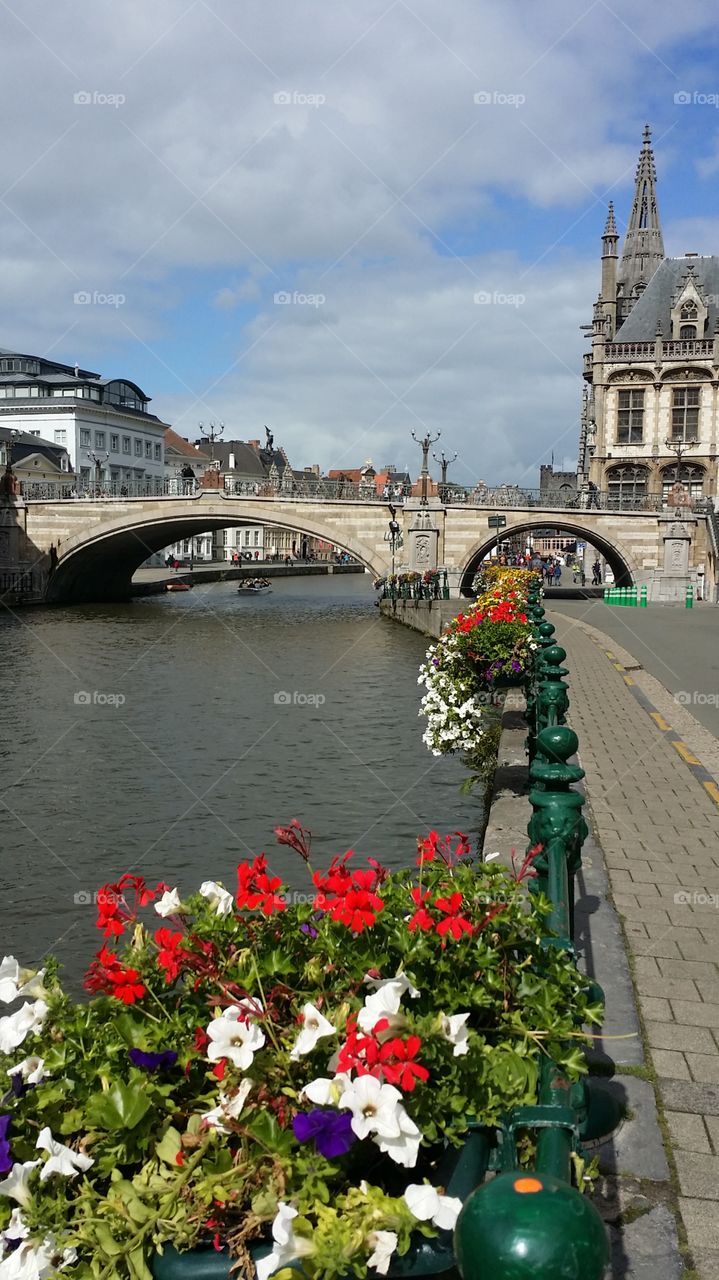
{"x": 151, "y": 582}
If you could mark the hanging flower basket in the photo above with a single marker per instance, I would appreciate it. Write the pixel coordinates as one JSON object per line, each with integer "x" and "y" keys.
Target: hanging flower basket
{"x": 290, "y": 1081}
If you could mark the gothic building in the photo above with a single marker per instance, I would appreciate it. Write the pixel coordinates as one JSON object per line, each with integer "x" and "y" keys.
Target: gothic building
{"x": 650, "y": 418}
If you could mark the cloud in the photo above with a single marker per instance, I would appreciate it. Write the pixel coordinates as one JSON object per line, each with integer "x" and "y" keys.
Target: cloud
{"x": 200, "y": 158}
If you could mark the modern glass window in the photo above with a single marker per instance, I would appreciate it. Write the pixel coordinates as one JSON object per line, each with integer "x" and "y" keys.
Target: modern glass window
{"x": 138, "y": 448}
{"x": 687, "y": 474}
{"x": 100, "y": 439}
{"x": 114, "y": 444}
{"x": 627, "y": 487}
{"x": 126, "y": 444}
{"x": 84, "y": 437}
{"x": 685, "y": 413}
{"x": 630, "y": 417}
{"x": 124, "y": 396}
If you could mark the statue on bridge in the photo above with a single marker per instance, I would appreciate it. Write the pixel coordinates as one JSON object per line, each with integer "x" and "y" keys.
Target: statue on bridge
{"x": 270, "y": 441}
{"x": 425, "y": 446}
{"x": 9, "y": 484}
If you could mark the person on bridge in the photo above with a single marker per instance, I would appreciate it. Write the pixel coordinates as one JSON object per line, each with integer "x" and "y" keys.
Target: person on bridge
{"x": 557, "y": 574}
{"x": 596, "y": 574}
{"x": 593, "y": 495}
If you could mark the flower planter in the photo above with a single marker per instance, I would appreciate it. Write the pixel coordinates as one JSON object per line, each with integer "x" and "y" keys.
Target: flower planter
{"x": 460, "y": 1170}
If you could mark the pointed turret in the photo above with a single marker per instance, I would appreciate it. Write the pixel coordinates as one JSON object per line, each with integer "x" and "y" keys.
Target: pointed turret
{"x": 643, "y": 244}
{"x": 610, "y": 240}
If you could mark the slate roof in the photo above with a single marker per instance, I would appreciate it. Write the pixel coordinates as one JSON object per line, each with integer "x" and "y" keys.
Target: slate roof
{"x": 655, "y": 304}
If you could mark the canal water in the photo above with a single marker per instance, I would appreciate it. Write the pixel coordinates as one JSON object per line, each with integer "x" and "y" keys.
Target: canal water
{"x": 169, "y": 735}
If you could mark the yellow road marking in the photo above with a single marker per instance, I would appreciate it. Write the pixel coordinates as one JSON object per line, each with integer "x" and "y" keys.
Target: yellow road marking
{"x": 685, "y": 753}
{"x": 619, "y": 665}
{"x": 609, "y": 653}
{"x": 713, "y": 790}
{"x": 660, "y": 721}
{"x": 628, "y": 680}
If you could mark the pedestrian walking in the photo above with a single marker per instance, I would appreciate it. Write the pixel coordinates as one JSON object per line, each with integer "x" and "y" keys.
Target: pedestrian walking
{"x": 557, "y": 574}
{"x": 596, "y": 574}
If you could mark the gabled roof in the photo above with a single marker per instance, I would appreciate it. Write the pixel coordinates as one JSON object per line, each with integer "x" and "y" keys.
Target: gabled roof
{"x": 177, "y": 444}
{"x": 655, "y": 304}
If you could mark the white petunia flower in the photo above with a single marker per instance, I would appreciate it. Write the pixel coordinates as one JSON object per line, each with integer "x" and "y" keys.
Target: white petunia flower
{"x": 228, "y": 1108}
{"x": 36, "y": 1261}
{"x": 315, "y": 1026}
{"x": 169, "y": 904}
{"x": 63, "y": 1160}
{"x": 384, "y": 1244}
{"x": 17, "y": 1228}
{"x": 428, "y": 1205}
{"x": 233, "y": 1036}
{"x": 9, "y": 979}
{"x": 24, "y": 1022}
{"x": 17, "y": 1183}
{"x": 15, "y": 982}
{"x": 31, "y": 1069}
{"x": 375, "y": 1107}
{"x": 384, "y": 1002}
{"x": 404, "y": 1148}
{"x": 455, "y": 1030}
{"x": 218, "y": 897}
{"x": 286, "y": 1247}
{"x": 324, "y": 1092}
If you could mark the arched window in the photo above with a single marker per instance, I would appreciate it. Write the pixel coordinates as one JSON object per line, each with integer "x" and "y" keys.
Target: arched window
{"x": 627, "y": 487}
{"x": 688, "y": 331}
{"x": 689, "y": 311}
{"x": 691, "y": 475}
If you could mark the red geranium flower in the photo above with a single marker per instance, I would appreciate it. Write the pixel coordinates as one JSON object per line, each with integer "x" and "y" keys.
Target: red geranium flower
{"x": 421, "y": 918}
{"x": 170, "y": 957}
{"x": 397, "y": 1058}
{"x": 255, "y": 888}
{"x": 454, "y": 922}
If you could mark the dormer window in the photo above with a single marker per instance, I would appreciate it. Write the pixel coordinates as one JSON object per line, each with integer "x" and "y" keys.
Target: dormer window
{"x": 688, "y": 331}
{"x": 688, "y": 317}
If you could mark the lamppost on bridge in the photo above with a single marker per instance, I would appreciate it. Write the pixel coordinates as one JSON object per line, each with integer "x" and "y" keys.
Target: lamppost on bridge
{"x": 680, "y": 448}
{"x": 393, "y": 535}
{"x": 444, "y": 463}
{"x": 425, "y": 445}
{"x": 213, "y": 432}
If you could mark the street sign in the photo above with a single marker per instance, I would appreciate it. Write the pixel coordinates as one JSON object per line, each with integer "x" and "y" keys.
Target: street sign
{"x": 581, "y": 546}
{"x": 496, "y": 522}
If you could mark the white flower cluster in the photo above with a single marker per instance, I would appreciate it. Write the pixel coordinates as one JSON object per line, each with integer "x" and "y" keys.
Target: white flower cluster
{"x": 454, "y": 713}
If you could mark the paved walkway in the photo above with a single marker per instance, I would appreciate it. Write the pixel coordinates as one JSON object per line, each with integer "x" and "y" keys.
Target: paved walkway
{"x": 658, "y": 825}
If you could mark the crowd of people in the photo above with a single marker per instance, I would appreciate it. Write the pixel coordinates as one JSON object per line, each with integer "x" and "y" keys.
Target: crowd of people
{"x": 551, "y": 568}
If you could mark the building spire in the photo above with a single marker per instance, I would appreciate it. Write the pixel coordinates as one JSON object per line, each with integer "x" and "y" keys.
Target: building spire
{"x": 643, "y": 244}
{"x": 611, "y": 226}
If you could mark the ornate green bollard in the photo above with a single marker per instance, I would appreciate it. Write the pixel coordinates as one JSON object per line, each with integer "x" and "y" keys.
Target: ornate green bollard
{"x": 643, "y": 596}
{"x": 557, "y": 823}
{"x": 530, "y": 1226}
{"x": 689, "y": 600}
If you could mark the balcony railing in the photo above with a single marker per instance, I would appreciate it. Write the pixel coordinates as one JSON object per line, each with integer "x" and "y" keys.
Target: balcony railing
{"x": 673, "y": 349}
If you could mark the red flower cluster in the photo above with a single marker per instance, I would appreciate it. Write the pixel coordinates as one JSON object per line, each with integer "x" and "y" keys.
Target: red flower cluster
{"x": 452, "y": 920}
{"x": 106, "y": 974}
{"x": 255, "y": 888}
{"x": 297, "y": 837}
{"x": 349, "y": 896}
{"x": 393, "y": 1061}
{"x": 118, "y": 904}
{"x": 170, "y": 955}
{"x": 433, "y": 847}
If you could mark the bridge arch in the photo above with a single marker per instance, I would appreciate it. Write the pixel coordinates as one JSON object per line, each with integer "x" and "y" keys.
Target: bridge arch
{"x": 97, "y": 563}
{"x": 620, "y": 560}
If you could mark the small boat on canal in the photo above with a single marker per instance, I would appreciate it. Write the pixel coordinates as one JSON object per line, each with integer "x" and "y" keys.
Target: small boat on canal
{"x": 254, "y": 587}
{"x": 178, "y": 586}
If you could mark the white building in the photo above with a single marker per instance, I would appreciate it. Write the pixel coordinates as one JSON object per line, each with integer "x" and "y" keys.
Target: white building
{"x": 112, "y": 440}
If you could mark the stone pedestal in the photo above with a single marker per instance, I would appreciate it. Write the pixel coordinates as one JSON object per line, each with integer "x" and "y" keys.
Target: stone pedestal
{"x": 22, "y": 575}
{"x": 676, "y": 571}
{"x": 423, "y": 542}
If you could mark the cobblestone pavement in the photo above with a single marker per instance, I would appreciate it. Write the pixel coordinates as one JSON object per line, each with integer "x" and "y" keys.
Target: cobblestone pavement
{"x": 658, "y": 826}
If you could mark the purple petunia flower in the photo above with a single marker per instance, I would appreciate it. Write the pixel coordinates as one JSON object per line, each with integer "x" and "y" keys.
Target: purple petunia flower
{"x": 308, "y": 929}
{"x": 332, "y": 1131}
{"x": 152, "y": 1061}
{"x": 6, "y": 1160}
{"x": 516, "y": 666}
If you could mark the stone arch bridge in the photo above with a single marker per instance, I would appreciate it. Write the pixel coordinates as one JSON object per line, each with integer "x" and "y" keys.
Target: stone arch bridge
{"x": 88, "y": 549}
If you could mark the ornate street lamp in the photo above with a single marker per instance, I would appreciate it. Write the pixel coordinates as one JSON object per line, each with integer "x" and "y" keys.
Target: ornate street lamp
{"x": 213, "y": 432}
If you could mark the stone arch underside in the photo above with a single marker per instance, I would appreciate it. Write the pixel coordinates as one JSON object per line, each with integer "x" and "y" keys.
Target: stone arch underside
{"x": 620, "y": 560}
{"x": 98, "y": 564}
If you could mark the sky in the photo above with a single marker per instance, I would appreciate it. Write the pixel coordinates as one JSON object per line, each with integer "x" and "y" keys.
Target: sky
{"x": 344, "y": 221}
